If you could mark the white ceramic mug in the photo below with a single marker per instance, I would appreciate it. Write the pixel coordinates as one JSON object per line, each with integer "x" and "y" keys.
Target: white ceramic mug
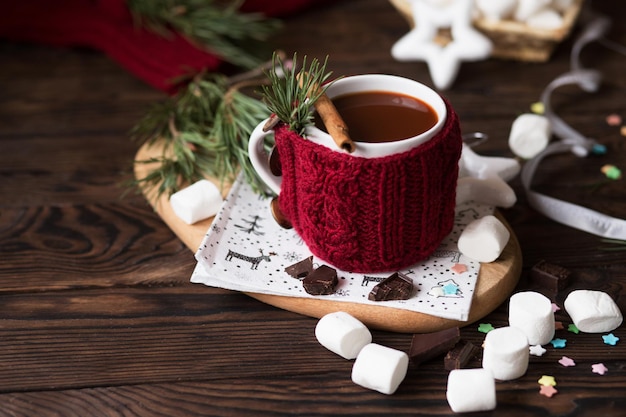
{"x": 383, "y": 207}
{"x": 348, "y": 85}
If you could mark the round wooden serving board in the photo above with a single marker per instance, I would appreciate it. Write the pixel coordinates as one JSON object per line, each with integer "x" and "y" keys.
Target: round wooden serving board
{"x": 496, "y": 280}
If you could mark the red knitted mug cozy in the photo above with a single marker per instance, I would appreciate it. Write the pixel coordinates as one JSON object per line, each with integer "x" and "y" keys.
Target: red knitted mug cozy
{"x": 370, "y": 214}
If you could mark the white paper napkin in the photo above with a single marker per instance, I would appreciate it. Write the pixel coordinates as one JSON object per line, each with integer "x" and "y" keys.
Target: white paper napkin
{"x": 245, "y": 250}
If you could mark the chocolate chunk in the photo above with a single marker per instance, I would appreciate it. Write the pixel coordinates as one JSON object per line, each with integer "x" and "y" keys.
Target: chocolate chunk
{"x": 321, "y": 281}
{"x": 395, "y": 287}
{"x": 460, "y": 355}
{"x": 301, "y": 269}
{"x": 427, "y": 346}
{"x": 552, "y": 277}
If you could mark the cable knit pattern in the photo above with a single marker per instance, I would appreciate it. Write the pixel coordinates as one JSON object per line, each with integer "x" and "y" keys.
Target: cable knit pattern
{"x": 371, "y": 214}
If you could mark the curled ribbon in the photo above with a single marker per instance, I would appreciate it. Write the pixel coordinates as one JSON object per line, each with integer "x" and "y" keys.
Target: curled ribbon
{"x": 570, "y": 140}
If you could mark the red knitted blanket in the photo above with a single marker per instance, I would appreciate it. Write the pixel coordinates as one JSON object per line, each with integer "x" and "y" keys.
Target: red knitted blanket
{"x": 371, "y": 214}
{"x": 107, "y": 25}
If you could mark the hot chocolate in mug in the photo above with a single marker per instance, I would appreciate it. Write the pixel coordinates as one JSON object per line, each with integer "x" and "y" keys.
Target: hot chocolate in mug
{"x": 388, "y": 204}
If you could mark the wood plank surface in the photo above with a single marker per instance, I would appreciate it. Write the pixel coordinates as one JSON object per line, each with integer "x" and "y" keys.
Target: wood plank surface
{"x": 97, "y": 314}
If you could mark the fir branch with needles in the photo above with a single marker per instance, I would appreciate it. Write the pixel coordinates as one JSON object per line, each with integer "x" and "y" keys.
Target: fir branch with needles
{"x": 290, "y": 95}
{"x": 204, "y": 131}
{"x": 219, "y": 27}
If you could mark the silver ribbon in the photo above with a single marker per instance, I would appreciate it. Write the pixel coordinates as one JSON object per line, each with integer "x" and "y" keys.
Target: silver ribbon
{"x": 570, "y": 140}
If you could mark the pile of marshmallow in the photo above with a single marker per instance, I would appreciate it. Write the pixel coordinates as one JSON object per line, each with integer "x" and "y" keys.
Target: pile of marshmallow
{"x": 506, "y": 350}
{"x": 538, "y": 14}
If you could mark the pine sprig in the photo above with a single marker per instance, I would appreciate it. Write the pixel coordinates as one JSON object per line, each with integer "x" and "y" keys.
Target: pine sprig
{"x": 204, "y": 130}
{"x": 292, "y": 93}
{"x": 221, "y": 29}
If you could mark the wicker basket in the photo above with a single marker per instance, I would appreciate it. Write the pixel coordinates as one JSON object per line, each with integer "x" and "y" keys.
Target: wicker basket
{"x": 511, "y": 39}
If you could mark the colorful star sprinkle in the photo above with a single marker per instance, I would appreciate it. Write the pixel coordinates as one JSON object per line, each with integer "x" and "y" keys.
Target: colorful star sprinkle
{"x": 485, "y": 327}
{"x": 613, "y": 119}
{"x": 538, "y": 108}
{"x": 547, "y": 390}
{"x": 572, "y": 328}
{"x": 555, "y": 308}
{"x": 450, "y": 289}
{"x": 599, "y": 368}
{"x": 537, "y": 350}
{"x": 610, "y": 339}
{"x": 565, "y": 361}
{"x": 547, "y": 383}
{"x": 611, "y": 172}
{"x": 459, "y": 268}
{"x": 547, "y": 380}
{"x": 558, "y": 343}
{"x": 558, "y": 325}
{"x": 598, "y": 149}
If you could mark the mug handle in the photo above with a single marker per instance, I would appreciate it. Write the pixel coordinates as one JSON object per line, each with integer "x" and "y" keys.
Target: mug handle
{"x": 260, "y": 159}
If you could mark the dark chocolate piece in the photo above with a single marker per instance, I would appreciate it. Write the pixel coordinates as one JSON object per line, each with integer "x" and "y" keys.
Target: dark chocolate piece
{"x": 321, "y": 281}
{"x": 460, "y": 355}
{"x": 549, "y": 276}
{"x": 427, "y": 346}
{"x": 395, "y": 287}
{"x": 300, "y": 269}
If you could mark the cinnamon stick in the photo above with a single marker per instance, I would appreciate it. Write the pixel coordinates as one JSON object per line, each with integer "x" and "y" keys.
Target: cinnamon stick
{"x": 335, "y": 125}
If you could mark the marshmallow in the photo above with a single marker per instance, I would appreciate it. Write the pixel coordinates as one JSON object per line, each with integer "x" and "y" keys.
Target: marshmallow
{"x": 496, "y": 10}
{"x": 491, "y": 191}
{"x": 380, "y": 368}
{"x": 471, "y": 390}
{"x": 532, "y": 313}
{"x": 547, "y": 19}
{"x": 199, "y": 201}
{"x": 342, "y": 334}
{"x": 530, "y": 134}
{"x": 484, "y": 239}
{"x": 506, "y": 353}
{"x": 593, "y": 311}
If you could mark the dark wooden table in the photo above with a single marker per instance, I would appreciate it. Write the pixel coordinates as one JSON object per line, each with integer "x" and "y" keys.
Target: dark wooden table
{"x": 97, "y": 314}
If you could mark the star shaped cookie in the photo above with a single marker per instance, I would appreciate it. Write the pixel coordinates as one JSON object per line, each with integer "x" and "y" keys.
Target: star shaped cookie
{"x": 444, "y": 61}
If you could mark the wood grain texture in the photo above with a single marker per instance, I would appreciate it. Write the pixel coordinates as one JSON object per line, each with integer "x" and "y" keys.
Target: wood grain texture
{"x": 105, "y": 245}
{"x": 97, "y": 314}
